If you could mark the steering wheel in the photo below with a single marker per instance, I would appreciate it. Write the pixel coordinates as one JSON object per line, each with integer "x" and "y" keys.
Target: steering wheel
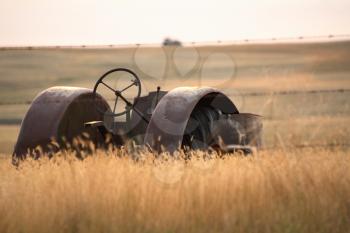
{"x": 118, "y": 93}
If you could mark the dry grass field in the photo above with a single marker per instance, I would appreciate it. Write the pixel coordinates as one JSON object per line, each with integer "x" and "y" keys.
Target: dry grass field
{"x": 273, "y": 191}
{"x": 300, "y": 182}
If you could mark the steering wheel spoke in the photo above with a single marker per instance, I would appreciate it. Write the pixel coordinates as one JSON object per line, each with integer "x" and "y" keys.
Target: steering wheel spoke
{"x": 107, "y": 86}
{"x": 134, "y": 83}
{"x": 115, "y": 104}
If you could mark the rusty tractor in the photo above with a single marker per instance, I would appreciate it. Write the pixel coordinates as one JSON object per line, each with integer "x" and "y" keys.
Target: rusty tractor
{"x": 189, "y": 118}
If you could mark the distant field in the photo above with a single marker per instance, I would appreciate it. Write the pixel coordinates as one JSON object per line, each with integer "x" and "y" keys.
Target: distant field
{"x": 8, "y": 136}
{"x": 239, "y": 70}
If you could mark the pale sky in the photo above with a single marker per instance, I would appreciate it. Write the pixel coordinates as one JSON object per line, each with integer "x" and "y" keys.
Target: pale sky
{"x": 93, "y": 22}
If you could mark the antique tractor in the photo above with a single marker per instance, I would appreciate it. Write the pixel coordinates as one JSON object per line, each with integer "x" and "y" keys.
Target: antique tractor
{"x": 189, "y": 118}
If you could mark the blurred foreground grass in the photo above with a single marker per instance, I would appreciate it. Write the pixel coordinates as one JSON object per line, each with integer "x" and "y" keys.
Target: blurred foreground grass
{"x": 273, "y": 191}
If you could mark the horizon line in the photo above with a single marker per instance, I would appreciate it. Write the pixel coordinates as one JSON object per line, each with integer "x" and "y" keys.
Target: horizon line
{"x": 274, "y": 40}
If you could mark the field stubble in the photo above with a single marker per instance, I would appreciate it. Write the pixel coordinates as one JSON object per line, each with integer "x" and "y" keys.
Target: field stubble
{"x": 237, "y": 70}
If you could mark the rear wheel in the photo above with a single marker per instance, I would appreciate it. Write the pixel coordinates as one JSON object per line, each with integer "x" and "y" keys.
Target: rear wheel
{"x": 198, "y": 134}
{"x": 209, "y": 128}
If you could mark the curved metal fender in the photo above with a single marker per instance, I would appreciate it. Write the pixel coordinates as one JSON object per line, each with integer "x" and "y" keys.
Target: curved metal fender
{"x": 55, "y": 113}
{"x": 169, "y": 119}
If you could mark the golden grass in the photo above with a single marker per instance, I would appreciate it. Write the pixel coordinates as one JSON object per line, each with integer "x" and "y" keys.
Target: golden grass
{"x": 273, "y": 191}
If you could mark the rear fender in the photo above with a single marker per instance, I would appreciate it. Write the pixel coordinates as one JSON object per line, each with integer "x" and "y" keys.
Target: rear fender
{"x": 167, "y": 126}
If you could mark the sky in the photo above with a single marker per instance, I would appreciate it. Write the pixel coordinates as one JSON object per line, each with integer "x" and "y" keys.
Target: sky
{"x": 100, "y": 22}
